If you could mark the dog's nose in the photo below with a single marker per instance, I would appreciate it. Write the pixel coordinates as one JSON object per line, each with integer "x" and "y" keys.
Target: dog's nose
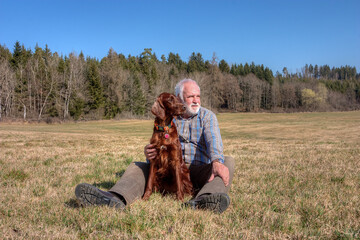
{"x": 183, "y": 107}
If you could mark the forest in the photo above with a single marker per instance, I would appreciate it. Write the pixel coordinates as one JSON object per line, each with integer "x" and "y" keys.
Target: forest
{"x": 41, "y": 85}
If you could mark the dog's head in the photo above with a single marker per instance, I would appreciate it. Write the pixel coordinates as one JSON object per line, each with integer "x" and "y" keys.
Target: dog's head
{"x": 166, "y": 105}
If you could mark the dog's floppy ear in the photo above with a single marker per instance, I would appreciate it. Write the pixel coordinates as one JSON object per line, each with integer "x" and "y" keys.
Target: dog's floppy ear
{"x": 158, "y": 109}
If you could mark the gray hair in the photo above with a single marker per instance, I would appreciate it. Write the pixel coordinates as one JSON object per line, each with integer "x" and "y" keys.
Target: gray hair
{"x": 179, "y": 88}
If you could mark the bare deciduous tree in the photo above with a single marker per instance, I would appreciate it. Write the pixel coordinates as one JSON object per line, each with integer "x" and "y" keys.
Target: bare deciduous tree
{"x": 7, "y": 86}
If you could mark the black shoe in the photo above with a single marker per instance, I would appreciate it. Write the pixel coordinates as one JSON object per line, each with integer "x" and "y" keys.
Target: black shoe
{"x": 88, "y": 195}
{"x": 217, "y": 202}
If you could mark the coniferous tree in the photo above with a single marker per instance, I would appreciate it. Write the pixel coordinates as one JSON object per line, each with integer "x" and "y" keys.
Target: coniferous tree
{"x": 241, "y": 70}
{"x": 196, "y": 63}
{"x": 325, "y": 71}
{"x": 246, "y": 69}
{"x": 316, "y": 71}
{"x": 135, "y": 101}
{"x": 18, "y": 62}
{"x": 268, "y": 76}
{"x": 96, "y": 95}
{"x": 234, "y": 69}
{"x": 17, "y": 55}
{"x": 5, "y": 53}
{"x": 175, "y": 59}
{"x": 224, "y": 67}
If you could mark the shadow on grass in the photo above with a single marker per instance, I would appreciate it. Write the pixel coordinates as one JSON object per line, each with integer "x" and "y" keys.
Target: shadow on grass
{"x": 72, "y": 203}
{"x": 106, "y": 185}
{"x": 119, "y": 174}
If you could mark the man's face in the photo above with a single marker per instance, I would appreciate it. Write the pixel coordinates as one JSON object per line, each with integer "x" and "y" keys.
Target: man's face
{"x": 191, "y": 95}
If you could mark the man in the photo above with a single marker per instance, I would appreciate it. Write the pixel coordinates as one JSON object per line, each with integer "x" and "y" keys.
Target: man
{"x": 210, "y": 172}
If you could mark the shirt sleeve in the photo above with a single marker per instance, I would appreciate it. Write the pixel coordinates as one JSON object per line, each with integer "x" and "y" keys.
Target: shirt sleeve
{"x": 213, "y": 139}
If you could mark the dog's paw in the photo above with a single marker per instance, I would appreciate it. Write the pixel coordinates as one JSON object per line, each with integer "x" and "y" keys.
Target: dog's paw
{"x": 146, "y": 196}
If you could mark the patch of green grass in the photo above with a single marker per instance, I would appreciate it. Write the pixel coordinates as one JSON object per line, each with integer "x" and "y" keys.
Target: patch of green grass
{"x": 127, "y": 159}
{"x": 17, "y": 175}
{"x": 39, "y": 191}
{"x": 337, "y": 179}
{"x": 48, "y": 161}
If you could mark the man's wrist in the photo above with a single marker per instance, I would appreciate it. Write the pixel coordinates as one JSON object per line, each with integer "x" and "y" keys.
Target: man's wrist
{"x": 217, "y": 161}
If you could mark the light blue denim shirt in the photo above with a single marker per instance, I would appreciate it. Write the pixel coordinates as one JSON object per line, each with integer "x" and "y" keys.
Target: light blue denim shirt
{"x": 200, "y": 138}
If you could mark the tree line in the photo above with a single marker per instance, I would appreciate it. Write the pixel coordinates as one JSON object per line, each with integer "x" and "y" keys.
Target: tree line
{"x": 42, "y": 85}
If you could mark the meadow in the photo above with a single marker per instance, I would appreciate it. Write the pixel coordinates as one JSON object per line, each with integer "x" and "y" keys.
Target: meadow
{"x": 297, "y": 176}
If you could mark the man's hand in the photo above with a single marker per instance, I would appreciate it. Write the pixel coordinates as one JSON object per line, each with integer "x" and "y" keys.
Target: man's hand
{"x": 150, "y": 152}
{"x": 220, "y": 170}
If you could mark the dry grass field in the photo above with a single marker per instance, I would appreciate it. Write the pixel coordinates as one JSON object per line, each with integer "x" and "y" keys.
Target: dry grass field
{"x": 297, "y": 177}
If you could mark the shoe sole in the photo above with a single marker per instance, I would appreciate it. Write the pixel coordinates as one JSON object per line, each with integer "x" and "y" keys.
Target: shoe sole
{"x": 88, "y": 195}
{"x": 217, "y": 202}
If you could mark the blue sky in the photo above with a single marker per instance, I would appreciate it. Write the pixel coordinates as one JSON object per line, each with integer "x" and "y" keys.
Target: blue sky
{"x": 278, "y": 33}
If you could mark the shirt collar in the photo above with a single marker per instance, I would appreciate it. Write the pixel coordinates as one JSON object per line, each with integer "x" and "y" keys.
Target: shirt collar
{"x": 181, "y": 118}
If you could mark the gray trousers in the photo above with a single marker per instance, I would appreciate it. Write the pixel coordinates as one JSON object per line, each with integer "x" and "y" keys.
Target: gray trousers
{"x": 131, "y": 185}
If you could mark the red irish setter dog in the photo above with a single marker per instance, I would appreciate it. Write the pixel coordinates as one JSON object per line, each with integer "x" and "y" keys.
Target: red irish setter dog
{"x": 168, "y": 172}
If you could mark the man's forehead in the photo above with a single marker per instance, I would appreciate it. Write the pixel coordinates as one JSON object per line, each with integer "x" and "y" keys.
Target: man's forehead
{"x": 191, "y": 88}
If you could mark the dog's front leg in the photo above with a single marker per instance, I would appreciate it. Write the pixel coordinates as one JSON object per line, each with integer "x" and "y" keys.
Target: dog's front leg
{"x": 150, "y": 182}
{"x": 179, "y": 185}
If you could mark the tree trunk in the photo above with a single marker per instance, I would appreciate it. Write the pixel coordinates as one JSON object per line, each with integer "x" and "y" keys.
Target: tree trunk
{"x": 47, "y": 96}
{"x": 24, "y": 112}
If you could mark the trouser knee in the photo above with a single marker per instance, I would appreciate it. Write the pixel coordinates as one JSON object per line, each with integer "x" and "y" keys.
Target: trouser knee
{"x": 229, "y": 162}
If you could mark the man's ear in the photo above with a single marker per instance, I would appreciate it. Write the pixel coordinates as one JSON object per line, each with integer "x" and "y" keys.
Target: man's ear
{"x": 158, "y": 110}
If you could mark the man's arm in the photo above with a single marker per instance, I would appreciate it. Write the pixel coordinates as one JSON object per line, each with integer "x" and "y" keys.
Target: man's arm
{"x": 212, "y": 138}
{"x": 215, "y": 149}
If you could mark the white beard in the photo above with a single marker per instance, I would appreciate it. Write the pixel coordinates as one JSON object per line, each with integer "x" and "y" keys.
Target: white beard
{"x": 190, "y": 111}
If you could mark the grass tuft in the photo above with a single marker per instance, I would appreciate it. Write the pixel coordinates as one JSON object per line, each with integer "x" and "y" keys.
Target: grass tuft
{"x": 17, "y": 175}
